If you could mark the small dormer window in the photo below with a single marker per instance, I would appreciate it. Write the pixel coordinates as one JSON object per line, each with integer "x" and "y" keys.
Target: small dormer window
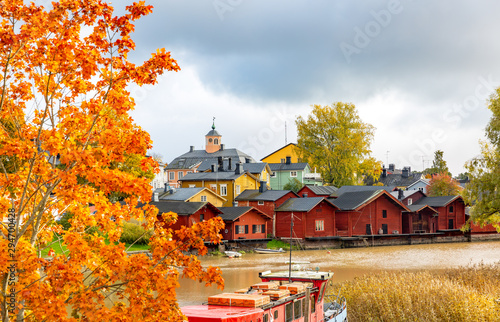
{"x": 410, "y": 201}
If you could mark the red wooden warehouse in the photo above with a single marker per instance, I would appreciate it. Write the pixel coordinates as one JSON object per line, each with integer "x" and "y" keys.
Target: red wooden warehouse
{"x": 244, "y": 223}
{"x": 451, "y": 212}
{"x": 266, "y": 201}
{"x": 368, "y": 212}
{"x": 312, "y": 217}
{"x": 188, "y": 212}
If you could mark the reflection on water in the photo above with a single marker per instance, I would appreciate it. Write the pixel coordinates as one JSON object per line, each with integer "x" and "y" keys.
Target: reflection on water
{"x": 345, "y": 263}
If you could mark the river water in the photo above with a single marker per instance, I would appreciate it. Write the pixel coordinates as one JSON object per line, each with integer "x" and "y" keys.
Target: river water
{"x": 346, "y": 264}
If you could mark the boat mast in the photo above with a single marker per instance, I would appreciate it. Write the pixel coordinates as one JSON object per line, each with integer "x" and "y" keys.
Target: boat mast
{"x": 290, "y": 261}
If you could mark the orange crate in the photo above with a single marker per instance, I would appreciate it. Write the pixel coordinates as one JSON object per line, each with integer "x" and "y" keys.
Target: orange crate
{"x": 294, "y": 288}
{"x": 266, "y": 286}
{"x": 245, "y": 300}
{"x": 278, "y": 294}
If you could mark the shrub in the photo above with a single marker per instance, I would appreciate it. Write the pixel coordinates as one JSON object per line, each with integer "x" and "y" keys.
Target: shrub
{"x": 135, "y": 233}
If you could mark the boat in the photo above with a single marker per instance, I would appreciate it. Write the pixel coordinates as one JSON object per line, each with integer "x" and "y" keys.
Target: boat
{"x": 281, "y": 296}
{"x": 268, "y": 251}
{"x": 232, "y": 254}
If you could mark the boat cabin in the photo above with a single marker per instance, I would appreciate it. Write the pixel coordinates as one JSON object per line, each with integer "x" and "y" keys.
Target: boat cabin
{"x": 281, "y": 297}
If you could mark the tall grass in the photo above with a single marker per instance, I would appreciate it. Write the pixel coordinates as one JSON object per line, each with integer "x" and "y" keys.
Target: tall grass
{"x": 462, "y": 294}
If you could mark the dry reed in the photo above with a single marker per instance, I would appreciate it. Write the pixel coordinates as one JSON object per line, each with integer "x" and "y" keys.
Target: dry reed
{"x": 462, "y": 294}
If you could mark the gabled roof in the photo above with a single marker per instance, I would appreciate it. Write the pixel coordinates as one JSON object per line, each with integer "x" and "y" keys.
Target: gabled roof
{"x": 437, "y": 201}
{"x": 184, "y": 194}
{"x": 399, "y": 180}
{"x": 302, "y": 204}
{"x": 320, "y": 190}
{"x": 210, "y": 176}
{"x": 252, "y": 167}
{"x": 182, "y": 208}
{"x": 423, "y": 180}
{"x": 190, "y": 159}
{"x": 417, "y": 208}
{"x": 278, "y": 150}
{"x": 233, "y": 213}
{"x": 406, "y": 193}
{"x": 181, "y": 194}
{"x": 345, "y": 189}
{"x": 358, "y": 199}
{"x": 268, "y": 195}
{"x": 288, "y": 166}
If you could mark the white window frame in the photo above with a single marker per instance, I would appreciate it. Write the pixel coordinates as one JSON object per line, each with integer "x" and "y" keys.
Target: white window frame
{"x": 410, "y": 201}
{"x": 238, "y": 189}
{"x": 192, "y": 186}
{"x": 203, "y": 198}
{"x": 180, "y": 175}
{"x": 293, "y": 174}
{"x": 171, "y": 175}
{"x": 213, "y": 187}
{"x": 223, "y": 189}
{"x": 319, "y": 225}
{"x": 260, "y": 202}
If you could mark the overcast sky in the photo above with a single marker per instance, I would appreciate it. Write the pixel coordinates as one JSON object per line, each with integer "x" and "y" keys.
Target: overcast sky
{"x": 419, "y": 71}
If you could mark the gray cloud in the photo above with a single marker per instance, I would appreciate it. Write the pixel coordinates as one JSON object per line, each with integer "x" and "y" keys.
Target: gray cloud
{"x": 294, "y": 52}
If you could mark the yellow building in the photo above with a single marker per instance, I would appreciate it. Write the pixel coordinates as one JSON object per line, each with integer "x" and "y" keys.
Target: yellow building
{"x": 199, "y": 194}
{"x": 280, "y": 155}
{"x": 226, "y": 184}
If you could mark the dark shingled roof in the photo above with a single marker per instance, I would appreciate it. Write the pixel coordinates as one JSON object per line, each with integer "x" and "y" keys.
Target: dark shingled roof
{"x": 418, "y": 207}
{"x": 191, "y": 159}
{"x": 300, "y": 204}
{"x": 400, "y": 181}
{"x": 288, "y": 167}
{"x": 233, "y": 213}
{"x": 345, "y": 189}
{"x": 213, "y": 133}
{"x": 180, "y": 207}
{"x": 255, "y": 195}
{"x": 180, "y": 194}
{"x": 250, "y": 167}
{"x": 210, "y": 176}
{"x": 352, "y": 200}
{"x": 323, "y": 190}
{"x": 436, "y": 201}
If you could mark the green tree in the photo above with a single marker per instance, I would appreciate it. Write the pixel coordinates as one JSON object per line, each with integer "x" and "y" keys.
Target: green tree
{"x": 293, "y": 184}
{"x": 483, "y": 190}
{"x": 442, "y": 185}
{"x": 438, "y": 165}
{"x": 336, "y": 141}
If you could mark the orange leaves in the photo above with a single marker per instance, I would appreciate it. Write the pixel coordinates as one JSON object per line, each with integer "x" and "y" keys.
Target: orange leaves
{"x": 68, "y": 142}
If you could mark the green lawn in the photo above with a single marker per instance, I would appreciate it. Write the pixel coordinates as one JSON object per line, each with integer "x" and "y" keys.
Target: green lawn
{"x": 59, "y": 248}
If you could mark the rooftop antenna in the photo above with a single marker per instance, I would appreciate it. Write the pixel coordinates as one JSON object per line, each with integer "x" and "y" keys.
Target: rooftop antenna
{"x": 285, "y": 134}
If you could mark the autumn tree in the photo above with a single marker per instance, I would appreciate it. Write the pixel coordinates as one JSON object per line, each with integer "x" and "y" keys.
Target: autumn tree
{"x": 443, "y": 185}
{"x": 483, "y": 190}
{"x": 336, "y": 141}
{"x": 66, "y": 141}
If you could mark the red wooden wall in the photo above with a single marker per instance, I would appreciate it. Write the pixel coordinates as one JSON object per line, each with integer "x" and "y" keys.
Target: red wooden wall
{"x": 248, "y": 219}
